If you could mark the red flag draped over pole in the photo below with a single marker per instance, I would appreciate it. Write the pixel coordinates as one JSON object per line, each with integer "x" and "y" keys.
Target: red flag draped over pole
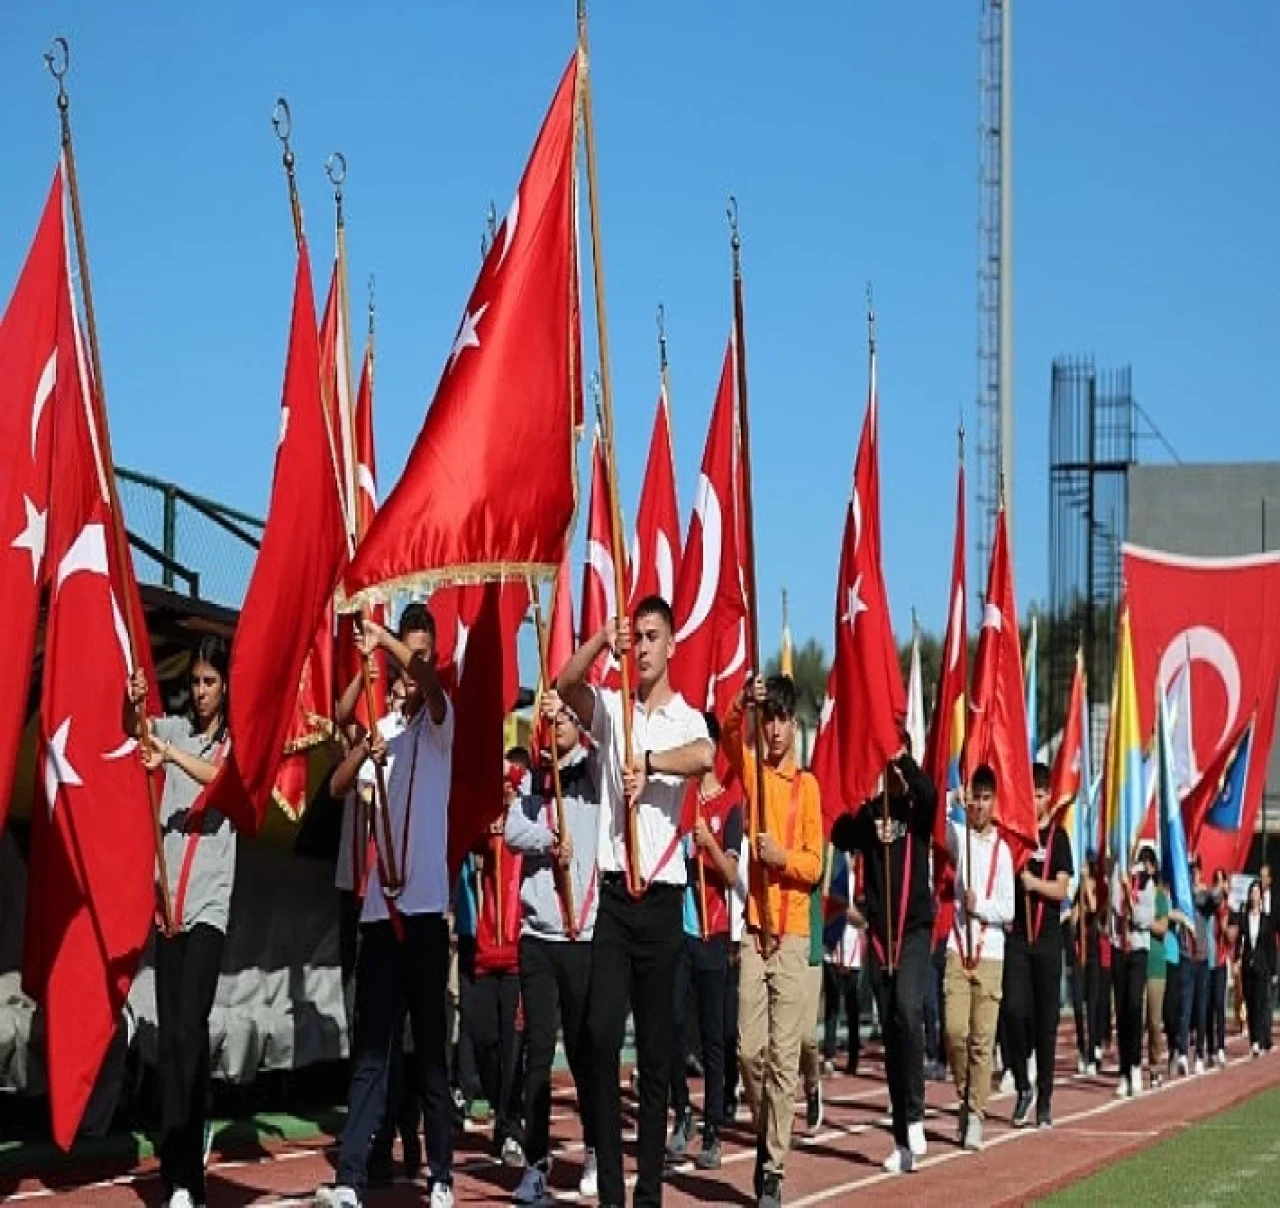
{"x": 302, "y": 553}
{"x": 28, "y": 374}
{"x": 598, "y": 577}
{"x": 1066, "y": 778}
{"x": 998, "y": 704}
{"x": 945, "y": 741}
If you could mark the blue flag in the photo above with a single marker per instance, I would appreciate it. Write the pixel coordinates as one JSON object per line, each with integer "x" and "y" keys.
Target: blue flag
{"x": 1173, "y": 838}
{"x": 1227, "y": 810}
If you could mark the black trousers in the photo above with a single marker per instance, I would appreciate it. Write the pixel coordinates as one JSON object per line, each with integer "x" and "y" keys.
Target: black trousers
{"x": 555, "y": 982}
{"x": 933, "y": 1029}
{"x": 1256, "y": 984}
{"x": 187, "y": 968}
{"x": 1032, "y": 980}
{"x": 1129, "y": 979}
{"x": 704, "y": 967}
{"x": 1217, "y": 1022}
{"x": 404, "y": 1095}
{"x": 840, "y": 989}
{"x": 900, "y": 1003}
{"x": 634, "y": 954}
{"x": 1173, "y": 1007}
{"x": 390, "y": 975}
{"x": 489, "y": 1005}
{"x": 731, "y": 1071}
{"x": 466, "y": 1073}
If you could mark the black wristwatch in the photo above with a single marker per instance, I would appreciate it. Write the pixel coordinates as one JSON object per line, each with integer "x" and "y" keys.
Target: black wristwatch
{"x": 648, "y": 764}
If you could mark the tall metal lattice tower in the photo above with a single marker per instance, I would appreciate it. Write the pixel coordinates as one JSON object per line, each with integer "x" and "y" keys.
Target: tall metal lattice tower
{"x": 995, "y": 273}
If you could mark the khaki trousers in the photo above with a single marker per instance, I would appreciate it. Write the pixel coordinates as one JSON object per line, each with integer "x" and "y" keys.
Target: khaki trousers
{"x": 1155, "y": 1024}
{"x": 972, "y": 1007}
{"x": 773, "y": 999}
{"x": 810, "y": 1057}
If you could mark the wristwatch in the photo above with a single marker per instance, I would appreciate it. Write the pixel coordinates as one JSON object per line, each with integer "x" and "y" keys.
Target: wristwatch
{"x": 648, "y": 764}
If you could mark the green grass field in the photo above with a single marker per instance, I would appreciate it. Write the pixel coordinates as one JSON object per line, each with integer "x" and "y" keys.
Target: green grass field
{"x": 1229, "y": 1159}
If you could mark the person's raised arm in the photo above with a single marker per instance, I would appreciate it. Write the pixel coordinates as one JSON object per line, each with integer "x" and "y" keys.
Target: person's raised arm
{"x": 572, "y": 684}
{"x": 422, "y": 672}
{"x": 371, "y": 746}
{"x": 733, "y": 732}
{"x": 135, "y": 701}
{"x": 344, "y": 715}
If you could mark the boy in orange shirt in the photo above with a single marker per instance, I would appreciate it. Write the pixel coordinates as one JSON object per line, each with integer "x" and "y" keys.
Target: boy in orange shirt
{"x": 786, "y": 864}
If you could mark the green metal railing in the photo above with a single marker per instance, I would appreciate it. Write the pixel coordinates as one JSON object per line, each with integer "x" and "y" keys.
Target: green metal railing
{"x": 179, "y": 537}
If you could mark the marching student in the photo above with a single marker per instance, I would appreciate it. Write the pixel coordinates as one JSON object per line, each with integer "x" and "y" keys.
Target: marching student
{"x": 1087, "y": 975}
{"x": 638, "y": 932}
{"x": 404, "y": 936}
{"x": 1257, "y": 953}
{"x": 897, "y": 976}
{"x": 1133, "y": 909}
{"x": 555, "y": 948}
{"x": 975, "y": 975}
{"x": 1197, "y": 954}
{"x": 1177, "y": 921}
{"x": 711, "y": 854}
{"x": 842, "y": 966}
{"x": 1033, "y": 960}
{"x": 1223, "y": 944}
{"x": 773, "y": 994}
{"x": 202, "y": 869}
{"x": 1157, "y": 973}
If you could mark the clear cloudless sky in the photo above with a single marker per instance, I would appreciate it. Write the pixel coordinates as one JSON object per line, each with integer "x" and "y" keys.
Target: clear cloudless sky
{"x": 1146, "y": 165}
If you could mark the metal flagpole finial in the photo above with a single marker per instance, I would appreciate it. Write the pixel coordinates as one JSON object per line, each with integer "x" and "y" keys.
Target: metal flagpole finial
{"x": 372, "y": 304}
{"x": 960, "y": 434}
{"x": 871, "y": 316}
{"x": 282, "y": 124}
{"x": 58, "y": 60}
{"x": 735, "y": 239}
{"x": 593, "y": 385}
{"x": 335, "y": 168}
{"x": 662, "y": 338}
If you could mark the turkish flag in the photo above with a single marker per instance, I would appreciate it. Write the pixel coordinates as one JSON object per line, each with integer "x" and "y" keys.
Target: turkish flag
{"x": 28, "y": 372}
{"x": 1221, "y": 614}
{"x": 866, "y": 681}
{"x": 560, "y": 645}
{"x": 599, "y": 584}
{"x": 91, "y": 890}
{"x": 1067, "y": 777}
{"x": 710, "y": 664}
{"x": 477, "y": 632}
{"x": 655, "y": 553}
{"x": 998, "y": 704}
{"x": 473, "y": 501}
{"x": 302, "y": 553}
{"x": 825, "y": 762}
{"x": 336, "y": 392}
{"x": 944, "y": 744}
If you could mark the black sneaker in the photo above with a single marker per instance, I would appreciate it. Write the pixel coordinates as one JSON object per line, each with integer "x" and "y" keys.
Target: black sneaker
{"x": 771, "y": 1192}
{"x": 1044, "y": 1119}
{"x": 1022, "y": 1109}
{"x": 709, "y": 1156}
{"x": 757, "y": 1181}
{"x": 813, "y": 1112}
{"x": 681, "y": 1135}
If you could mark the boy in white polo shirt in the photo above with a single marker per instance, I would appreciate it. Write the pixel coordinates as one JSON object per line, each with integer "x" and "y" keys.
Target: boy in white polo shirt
{"x": 639, "y": 927}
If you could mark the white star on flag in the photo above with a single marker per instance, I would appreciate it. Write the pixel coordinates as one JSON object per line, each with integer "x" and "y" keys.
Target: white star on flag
{"x": 32, "y": 537}
{"x": 854, "y": 605}
{"x": 460, "y": 648}
{"x": 57, "y": 767}
{"x": 468, "y": 337}
{"x": 992, "y": 617}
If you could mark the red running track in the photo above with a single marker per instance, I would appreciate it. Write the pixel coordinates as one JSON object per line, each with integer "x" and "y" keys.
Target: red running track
{"x": 1094, "y": 1128}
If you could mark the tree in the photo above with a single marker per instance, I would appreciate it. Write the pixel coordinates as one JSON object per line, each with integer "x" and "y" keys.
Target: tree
{"x": 810, "y": 668}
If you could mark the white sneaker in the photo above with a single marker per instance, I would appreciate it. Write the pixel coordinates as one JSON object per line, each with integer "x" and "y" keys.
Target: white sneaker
{"x": 916, "y": 1140}
{"x": 181, "y": 1198}
{"x": 1008, "y": 1084}
{"x": 1199, "y": 1066}
{"x": 1123, "y": 1088}
{"x": 1222, "y": 1060}
{"x": 1091, "y": 1069}
{"x": 1254, "y": 1051}
{"x": 1080, "y": 1063}
{"x": 441, "y": 1196}
{"x": 328, "y": 1197}
{"x": 589, "y": 1183}
{"x": 900, "y": 1161}
{"x": 532, "y": 1188}
{"x": 1135, "y": 1080}
{"x": 512, "y": 1153}
{"x": 1183, "y": 1067}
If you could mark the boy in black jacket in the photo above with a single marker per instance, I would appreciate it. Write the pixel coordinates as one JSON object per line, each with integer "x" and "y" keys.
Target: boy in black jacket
{"x": 904, "y": 916}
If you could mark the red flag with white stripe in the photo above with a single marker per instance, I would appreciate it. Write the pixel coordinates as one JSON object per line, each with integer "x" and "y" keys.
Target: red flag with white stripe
{"x": 655, "y": 552}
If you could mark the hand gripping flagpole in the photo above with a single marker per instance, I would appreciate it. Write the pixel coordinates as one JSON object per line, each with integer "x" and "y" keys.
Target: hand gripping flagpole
{"x": 758, "y": 821}
{"x": 564, "y": 876}
{"x": 58, "y": 59}
{"x": 635, "y": 882}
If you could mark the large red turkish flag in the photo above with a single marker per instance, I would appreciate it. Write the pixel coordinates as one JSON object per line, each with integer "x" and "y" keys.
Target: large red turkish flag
{"x": 91, "y": 894}
{"x": 998, "y": 704}
{"x": 710, "y": 664}
{"x": 489, "y": 488}
{"x": 655, "y": 553}
{"x": 599, "y": 584}
{"x": 302, "y": 553}
{"x": 28, "y": 371}
{"x": 1220, "y": 612}
{"x": 866, "y": 681}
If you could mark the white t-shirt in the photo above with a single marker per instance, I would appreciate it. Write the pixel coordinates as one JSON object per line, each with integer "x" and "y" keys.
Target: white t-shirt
{"x": 738, "y": 894}
{"x": 354, "y": 806}
{"x": 672, "y": 725}
{"x": 994, "y": 912}
{"x": 422, "y": 753}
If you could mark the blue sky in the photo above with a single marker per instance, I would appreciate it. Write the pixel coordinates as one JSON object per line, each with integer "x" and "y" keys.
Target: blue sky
{"x": 1147, "y": 164}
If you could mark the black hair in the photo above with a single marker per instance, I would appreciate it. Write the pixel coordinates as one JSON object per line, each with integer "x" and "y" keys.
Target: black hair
{"x": 983, "y": 779}
{"x": 214, "y": 650}
{"x": 1041, "y": 776}
{"x": 521, "y": 756}
{"x": 713, "y": 727}
{"x": 779, "y": 696}
{"x": 656, "y": 606}
{"x": 417, "y": 618}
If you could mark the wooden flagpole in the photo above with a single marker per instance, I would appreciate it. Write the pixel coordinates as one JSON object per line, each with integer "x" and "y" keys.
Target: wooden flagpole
{"x": 968, "y": 832}
{"x": 635, "y": 881}
{"x": 563, "y": 876}
{"x": 58, "y": 60}
{"x": 758, "y": 819}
